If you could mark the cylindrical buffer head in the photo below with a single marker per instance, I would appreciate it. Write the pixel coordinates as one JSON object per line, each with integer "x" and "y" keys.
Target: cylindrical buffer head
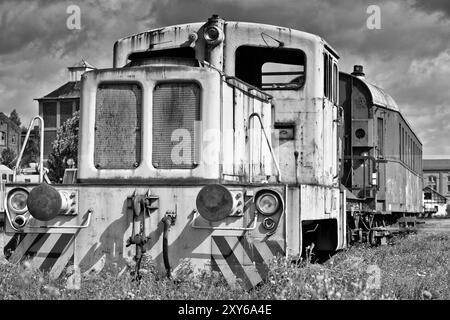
{"x": 44, "y": 202}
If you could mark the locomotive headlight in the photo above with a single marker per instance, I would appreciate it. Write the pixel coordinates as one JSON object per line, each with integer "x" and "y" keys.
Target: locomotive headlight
{"x": 17, "y": 201}
{"x": 215, "y": 202}
{"x": 213, "y": 35}
{"x": 267, "y": 203}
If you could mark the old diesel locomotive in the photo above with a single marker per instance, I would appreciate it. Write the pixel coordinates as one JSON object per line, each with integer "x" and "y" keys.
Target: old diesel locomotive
{"x": 382, "y": 161}
{"x": 217, "y": 142}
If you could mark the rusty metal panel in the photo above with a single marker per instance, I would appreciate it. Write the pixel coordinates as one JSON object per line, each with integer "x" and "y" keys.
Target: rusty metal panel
{"x": 118, "y": 126}
{"x": 176, "y": 109}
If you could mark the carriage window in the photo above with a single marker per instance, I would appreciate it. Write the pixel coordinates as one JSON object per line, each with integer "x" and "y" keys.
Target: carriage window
{"x": 271, "y": 68}
{"x": 380, "y": 127}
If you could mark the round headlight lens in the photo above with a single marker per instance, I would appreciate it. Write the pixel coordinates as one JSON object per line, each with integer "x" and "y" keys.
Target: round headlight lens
{"x": 18, "y": 201}
{"x": 267, "y": 203}
{"x": 212, "y": 34}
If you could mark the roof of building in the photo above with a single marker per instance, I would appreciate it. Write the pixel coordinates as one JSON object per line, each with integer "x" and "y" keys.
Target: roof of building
{"x": 5, "y": 169}
{"x": 70, "y": 90}
{"x": 82, "y": 64}
{"x": 436, "y": 164}
{"x": 428, "y": 189}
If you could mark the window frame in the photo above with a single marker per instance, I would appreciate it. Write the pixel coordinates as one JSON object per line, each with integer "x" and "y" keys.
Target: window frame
{"x": 263, "y": 61}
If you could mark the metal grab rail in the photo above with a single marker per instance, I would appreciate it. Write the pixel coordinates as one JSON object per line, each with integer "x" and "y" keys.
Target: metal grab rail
{"x": 41, "y": 149}
{"x": 254, "y": 114}
{"x": 196, "y": 215}
{"x": 82, "y": 226}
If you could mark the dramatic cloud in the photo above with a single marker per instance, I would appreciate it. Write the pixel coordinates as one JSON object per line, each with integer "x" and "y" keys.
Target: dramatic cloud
{"x": 441, "y": 6}
{"x": 408, "y": 56}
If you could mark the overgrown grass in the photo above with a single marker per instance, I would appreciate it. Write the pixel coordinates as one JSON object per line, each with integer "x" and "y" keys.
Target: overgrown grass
{"x": 415, "y": 267}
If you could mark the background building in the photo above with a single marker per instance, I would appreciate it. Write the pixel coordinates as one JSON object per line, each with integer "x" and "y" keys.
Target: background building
{"x": 436, "y": 176}
{"x": 9, "y": 134}
{"x": 434, "y": 203}
{"x": 59, "y": 105}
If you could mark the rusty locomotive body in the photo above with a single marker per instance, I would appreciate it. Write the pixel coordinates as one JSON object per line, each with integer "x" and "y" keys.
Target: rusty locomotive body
{"x": 219, "y": 142}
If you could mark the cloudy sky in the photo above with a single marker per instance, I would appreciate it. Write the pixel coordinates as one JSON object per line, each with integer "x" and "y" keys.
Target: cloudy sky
{"x": 409, "y": 56}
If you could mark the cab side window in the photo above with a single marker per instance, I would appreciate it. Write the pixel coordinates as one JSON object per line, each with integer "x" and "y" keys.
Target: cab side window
{"x": 330, "y": 78}
{"x": 271, "y": 68}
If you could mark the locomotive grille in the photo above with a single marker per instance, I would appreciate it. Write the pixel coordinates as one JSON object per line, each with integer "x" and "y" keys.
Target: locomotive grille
{"x": 176, "y": 108}
{"x": 118, "y": 126}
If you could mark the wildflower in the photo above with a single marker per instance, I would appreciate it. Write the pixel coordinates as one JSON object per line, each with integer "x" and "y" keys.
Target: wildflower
{"x": 426, "y": 295}
{"x": 52, "y": 291}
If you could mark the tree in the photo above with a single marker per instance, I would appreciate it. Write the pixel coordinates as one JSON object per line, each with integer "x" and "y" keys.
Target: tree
{"x": 8, "y": 157}
{"x": 14, "y": 117}
{"x": 64, "y": 147}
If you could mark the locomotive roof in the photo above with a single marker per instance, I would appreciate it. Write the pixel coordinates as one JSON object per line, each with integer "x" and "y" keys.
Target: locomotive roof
{"x": 237, "y": 24}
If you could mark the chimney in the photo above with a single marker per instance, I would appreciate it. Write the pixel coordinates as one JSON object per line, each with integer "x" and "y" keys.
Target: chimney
{"x": 358, "y": 72}
{"x": 78, "y": 69}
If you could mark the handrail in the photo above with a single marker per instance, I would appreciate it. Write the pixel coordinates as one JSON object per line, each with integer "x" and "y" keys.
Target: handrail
{"x": 196, "y": 215}
{"x": 81, "y": 226}
{"x": 254, "y": 114}
{"x": 41, "y": 149}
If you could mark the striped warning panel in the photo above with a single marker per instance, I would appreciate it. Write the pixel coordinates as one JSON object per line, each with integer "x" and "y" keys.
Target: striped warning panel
{"x": 50, "y": 252}
{"x": 244, "y": 259}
